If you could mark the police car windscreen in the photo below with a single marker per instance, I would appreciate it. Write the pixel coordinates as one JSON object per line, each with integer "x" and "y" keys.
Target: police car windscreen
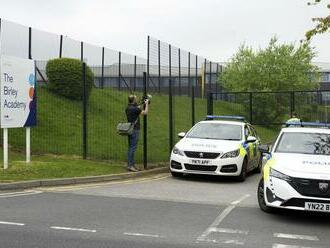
{"x": 305, "y": 143}
{"x": 218, "y": 131}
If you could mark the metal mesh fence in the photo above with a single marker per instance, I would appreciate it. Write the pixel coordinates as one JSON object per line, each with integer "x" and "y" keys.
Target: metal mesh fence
{"x": 71, "y": 48}
{"x": 177, "y": 79}
{"x": 14, "y": 39}
{"x": 273, "y": 108}
{"x": 270, "y": 110}
{"x": 186, "y": 78}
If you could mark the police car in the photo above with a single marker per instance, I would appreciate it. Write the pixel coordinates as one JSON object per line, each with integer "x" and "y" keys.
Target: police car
{"x": 296, "y": 174}
{"x": 220, "y": 145}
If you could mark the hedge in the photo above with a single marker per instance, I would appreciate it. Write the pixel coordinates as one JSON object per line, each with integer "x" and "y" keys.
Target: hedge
{"x": 65, "y": 78}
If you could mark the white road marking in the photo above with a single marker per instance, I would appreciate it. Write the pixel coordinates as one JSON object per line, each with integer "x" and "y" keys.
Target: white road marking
{"x": 228, "y": 230}
{"x": 295, "y": 236}
{"x": 221, "y": 217}
{"x": 229, "y": 241}
{"x": 143, "y": 235}
{"x": 22, "y": 193}
{"x": 288, "y": 246}
{"x": 233, "y": 241}
{"x": 72, "y": 229}
{"x": 11, "y": 223}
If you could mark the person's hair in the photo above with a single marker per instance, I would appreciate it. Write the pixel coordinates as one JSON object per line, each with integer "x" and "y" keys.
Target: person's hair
{"x": 131, "y": 98}
{"x": 294, "y": 114}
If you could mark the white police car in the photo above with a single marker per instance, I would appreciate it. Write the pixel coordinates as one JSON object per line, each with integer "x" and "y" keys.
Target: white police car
{"x": 296, "y": 174}
{"x": 220, "y": 145}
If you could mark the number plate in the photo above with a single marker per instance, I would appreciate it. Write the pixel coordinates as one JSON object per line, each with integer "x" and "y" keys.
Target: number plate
{"x": 320, "y": 207}
{"x": 200, "y": 161}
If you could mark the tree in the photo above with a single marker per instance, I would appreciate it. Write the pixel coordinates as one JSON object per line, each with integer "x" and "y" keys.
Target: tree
{"x": 278, "y": 67}
{"x": 322, "y": 23}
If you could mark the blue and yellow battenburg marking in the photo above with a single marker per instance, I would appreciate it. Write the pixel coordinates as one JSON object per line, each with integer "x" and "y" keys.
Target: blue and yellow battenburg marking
{"x": 269, "y": 164}
{"x": 249, "y": 149}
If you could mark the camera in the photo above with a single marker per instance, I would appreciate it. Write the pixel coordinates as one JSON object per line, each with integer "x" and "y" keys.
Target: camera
{"x": 144, "y": 98}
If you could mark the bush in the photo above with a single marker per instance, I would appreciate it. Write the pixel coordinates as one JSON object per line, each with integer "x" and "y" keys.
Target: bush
{"x": 65, "y": 78}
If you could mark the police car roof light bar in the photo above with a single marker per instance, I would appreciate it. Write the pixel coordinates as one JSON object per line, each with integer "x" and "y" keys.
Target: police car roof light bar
{"x": 307, "y": 124}
{"x": 225, "y": 117}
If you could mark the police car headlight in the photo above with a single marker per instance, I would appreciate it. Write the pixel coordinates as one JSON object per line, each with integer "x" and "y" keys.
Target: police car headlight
{"x": 177, "y": 151}
{"x": 232, "y": 154}
{"x": 279, "y": 175}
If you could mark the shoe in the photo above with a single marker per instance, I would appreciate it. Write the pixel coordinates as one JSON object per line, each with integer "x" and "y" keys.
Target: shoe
{"x": 136, "y": 168}
{"x": 132, "y": 169}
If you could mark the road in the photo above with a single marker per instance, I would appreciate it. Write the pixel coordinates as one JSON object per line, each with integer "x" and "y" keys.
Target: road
{"x": 158, "y": 211}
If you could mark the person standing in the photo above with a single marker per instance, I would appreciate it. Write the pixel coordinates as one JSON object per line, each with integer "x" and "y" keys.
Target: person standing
{"x": 133, "y": 112}
{"x": 293, "y": 120}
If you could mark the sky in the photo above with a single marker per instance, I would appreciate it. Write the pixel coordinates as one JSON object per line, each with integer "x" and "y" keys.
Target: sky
{"x": 210, "y": 28}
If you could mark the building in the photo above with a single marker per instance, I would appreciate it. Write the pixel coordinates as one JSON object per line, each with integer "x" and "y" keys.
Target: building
{"x": 324, "y": 78}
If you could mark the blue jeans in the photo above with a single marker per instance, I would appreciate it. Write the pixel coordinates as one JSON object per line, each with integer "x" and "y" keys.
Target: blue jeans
{"x": 132, "y": 145}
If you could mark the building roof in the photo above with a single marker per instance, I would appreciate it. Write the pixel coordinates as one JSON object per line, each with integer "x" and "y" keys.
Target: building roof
{"x": 324, "y": 66}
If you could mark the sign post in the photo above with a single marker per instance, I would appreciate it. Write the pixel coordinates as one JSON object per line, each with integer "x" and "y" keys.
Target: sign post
{"x": 5, "y": 148}
{"x": 28, "y": 145}
{"x": 18, "y": 99}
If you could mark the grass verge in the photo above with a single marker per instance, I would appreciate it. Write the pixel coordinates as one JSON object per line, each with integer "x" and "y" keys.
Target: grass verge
{"x": 50, "y": 166}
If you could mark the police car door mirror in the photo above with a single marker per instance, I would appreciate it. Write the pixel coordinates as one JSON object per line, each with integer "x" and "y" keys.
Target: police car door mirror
{"x": 264, "y": 149}
{"x": 181, "y": 135}
{"x": 251, "y": 139}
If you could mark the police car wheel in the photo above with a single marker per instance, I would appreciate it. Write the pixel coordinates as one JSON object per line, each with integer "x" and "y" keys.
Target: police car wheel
{"x": 176, "y": 174}
{"x": 242, "y": 176}
{"x": 261, "y": 198}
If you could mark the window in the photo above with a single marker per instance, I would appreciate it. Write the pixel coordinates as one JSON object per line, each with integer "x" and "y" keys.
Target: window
{"x": 253, "y": 132}
{"x": 218, "y": 131}
{"x": 306, "y": 143}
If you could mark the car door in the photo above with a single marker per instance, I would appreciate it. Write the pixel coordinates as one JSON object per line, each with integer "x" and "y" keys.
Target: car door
{"x": 255, "y": 154}
{"x": 248, "y": 148}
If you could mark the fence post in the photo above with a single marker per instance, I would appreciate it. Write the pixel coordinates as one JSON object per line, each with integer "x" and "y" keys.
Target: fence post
{"x": 119, "y": 70}
{"x": 192, "y": 105}
{"x": 250, "y": 102}
{"x": 145, "y": 123}
{"x": 0, "y": 28}
{"x": 189, "y": 84}
{"x": 210, "y": 77}
{"x": 159, "y": 68}
{"x": 148, "y": 61}
{"x": 170, "y": 103}
{"x": 61, "y": 46}
{"x": 134, "y": 82}
{"x": 102, "y": 72}
{"x": 30, "y": 43}
{"x": 196, "y": 71}
{"x": 216, "y": 81}
{"x": 220, "y": 82}
{"x": 179, "y": 72}
{"x": 84, "y": 119}
{"x": 210, "y": 103}
{"x": 292, "y": 103}
{"x": 81, "y": 51}
{"x": 204, "y": 86}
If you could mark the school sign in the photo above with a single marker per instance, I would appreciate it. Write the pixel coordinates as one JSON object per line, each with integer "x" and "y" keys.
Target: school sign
{"x": 18, "y": 96}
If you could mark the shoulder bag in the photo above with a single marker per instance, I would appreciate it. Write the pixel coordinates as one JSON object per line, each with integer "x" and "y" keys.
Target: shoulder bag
{"x": 126, "y": 128}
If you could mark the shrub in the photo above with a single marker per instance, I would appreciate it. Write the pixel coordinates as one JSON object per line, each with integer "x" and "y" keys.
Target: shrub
{"x": 65, "y": 78}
